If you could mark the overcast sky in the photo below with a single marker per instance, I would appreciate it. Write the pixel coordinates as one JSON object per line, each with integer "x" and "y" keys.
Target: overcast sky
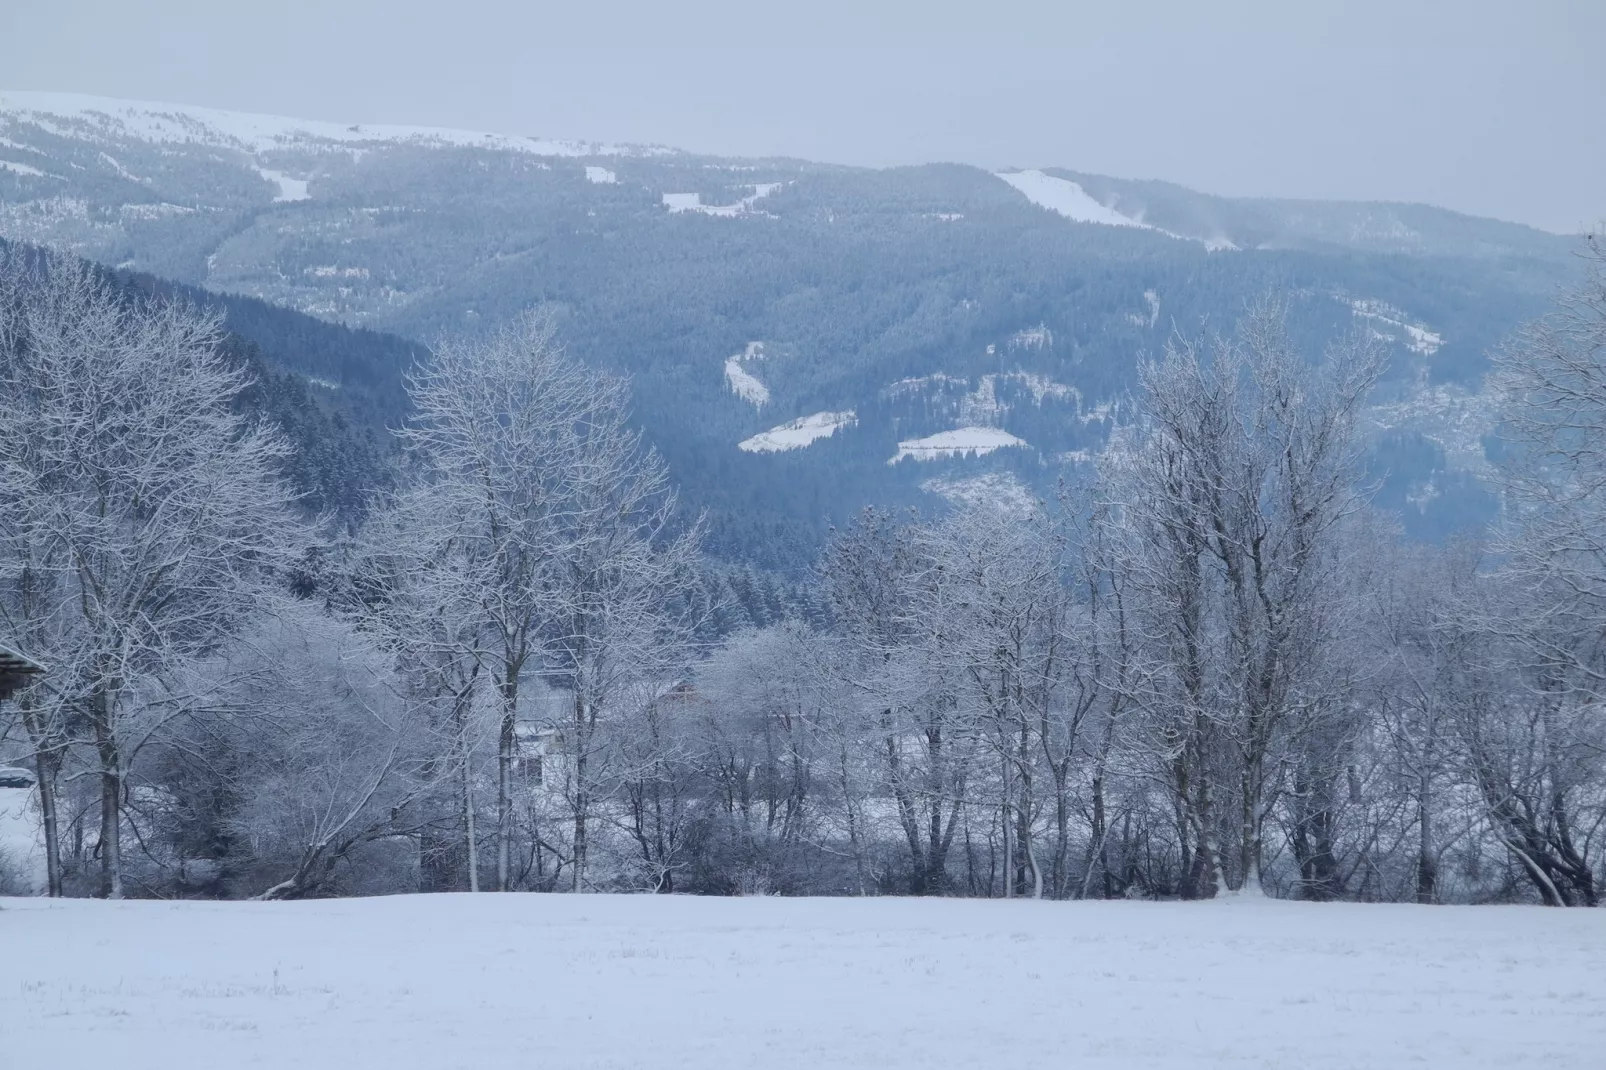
{"x": 1487, "y": 106}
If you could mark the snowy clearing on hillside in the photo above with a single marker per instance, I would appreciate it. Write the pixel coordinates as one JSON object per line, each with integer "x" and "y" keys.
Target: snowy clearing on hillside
{"x": 1418, "y": 339}
{"x": 962, "y": 441}
{"x": 693, "y": 202}
{"x": 1000, "y": 490}
{"x": 1070, "y": 200}
{"x": 78, "y": 114}
{"x": 290, "y": 189}
{"x": 798, "y": 433}
{"x": 669, "y": 982}
{"x": 744, "y": 383}
{"x": 601, "y": 176}
{"x": 24, "y": 169}
{"x": 1067, "y": 198}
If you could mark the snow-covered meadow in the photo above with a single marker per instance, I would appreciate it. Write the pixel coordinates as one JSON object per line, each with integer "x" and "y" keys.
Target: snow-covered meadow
{"x": 637, "y": 981}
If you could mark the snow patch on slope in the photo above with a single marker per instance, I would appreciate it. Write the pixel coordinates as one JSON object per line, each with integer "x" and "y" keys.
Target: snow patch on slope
{"x": 1070, "y": 200}
{"x": 600, "y": 176}
{"x": 693, "y": 202}
{"x": 24, "y": 169}
{"x": 1418, "y": 339}
{"x": 1067, "y": 198}
{"x": 798, "y": 433}
{"x": 981, "y": 406}
{"x": 290, "y": 189}
{"x": 1000, "y": 490}
{"x": 744, "y": 383}
{"x": 960, "y": 442}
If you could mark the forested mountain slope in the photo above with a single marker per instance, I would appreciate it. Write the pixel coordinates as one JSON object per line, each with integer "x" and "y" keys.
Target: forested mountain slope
{"x": 803, "y": 338}
{"x": 333, "y": 390}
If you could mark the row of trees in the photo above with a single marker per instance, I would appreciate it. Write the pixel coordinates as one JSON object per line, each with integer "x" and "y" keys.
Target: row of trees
{"x": 1212, "y": 668}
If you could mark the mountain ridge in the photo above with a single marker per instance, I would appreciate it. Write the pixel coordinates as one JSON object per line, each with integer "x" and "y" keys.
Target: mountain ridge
{"x": 265, "y": 132}
{"x": 765, "y": 308}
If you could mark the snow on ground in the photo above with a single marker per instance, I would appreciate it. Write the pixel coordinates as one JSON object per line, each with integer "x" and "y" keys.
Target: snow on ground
{"x": 728, "y": 984}
{"x": 290, "y": 189}
{"x": 1418, "y": 339}
{"x": 974, "y": 441}
{"x": 1000, "y": 490}
{"x": 24, "y": 169}
{"x": 1450, "y": 415}
{"x": 22, "y": 849}
{"x": 1067, "y": 198}
{"x": 154, "y": 211}
{"x": 798, "y": 433}
{"x": 76, "y": 114}
{"x": 601, "y": 176}
{"x": 745, "y": 384}
{"x": 1070, "y": 200}
{"x": 693, "y": 202}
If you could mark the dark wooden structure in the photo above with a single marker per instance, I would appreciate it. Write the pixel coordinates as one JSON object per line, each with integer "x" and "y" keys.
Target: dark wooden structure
{"x": 15, "y": 671}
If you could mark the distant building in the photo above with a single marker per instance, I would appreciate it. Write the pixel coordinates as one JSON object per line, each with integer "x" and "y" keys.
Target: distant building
{"x": 16, "y": 670}
{"x": 22, "y": 846}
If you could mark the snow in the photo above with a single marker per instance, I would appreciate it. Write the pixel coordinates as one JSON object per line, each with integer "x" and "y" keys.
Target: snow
{"x": 937, "y": 380}
{"x": 673, "y": 982}
{"x": 960, "y": 442}
{"x": 1037, "y": 337}
{"x": 798, "y": 433}
{"x": 693, "y": 202}
{"x": 107, "y": 117}
{"x": 24, "y": 169}
{"x": 1070, "y": 200}
{"x": 745, "y": 383}
{"x": 154, "y": 211}
{"x": 1067, "y": 198}
{"x": 601, "y": 176}
{"x": 1001, "y": 490}
{"x": 290, "y": 189}
{"x": 22, "y": 858}
{"x": 1418, "y": 339}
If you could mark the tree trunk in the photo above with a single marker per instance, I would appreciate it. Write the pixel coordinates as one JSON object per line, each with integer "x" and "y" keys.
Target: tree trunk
{"x": 46, "y": 762}
{"x": 506, "y": 751}
{"x": 582, "y": 797}
{"x": 44, "y": 767}
{"x": 471, "y": 836}
{"x": 1427, "y": 864}
{"x": 111, "y": 798}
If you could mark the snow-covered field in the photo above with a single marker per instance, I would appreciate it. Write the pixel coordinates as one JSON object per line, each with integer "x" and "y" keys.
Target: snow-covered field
{"x": 664, "y": 982}
{"x": 795, "y": 434}
{"x": 960, "y": 442}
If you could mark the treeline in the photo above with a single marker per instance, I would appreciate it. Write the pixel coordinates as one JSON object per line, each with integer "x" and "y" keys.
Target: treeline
{"x": 1212, "y": 667}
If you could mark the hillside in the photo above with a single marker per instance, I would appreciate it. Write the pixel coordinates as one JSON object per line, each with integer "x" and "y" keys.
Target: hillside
{"x": 803, "y": 338}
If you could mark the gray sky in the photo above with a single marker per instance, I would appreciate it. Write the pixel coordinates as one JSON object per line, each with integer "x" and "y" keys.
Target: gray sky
{"x": 1486, "y": 106}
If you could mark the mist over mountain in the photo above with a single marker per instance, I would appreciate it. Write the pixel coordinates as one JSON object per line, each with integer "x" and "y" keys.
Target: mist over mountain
{"x": 803, "y": 339}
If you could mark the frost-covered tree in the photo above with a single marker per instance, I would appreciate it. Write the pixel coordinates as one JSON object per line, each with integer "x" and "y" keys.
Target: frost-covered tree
{"x": 1237, "y": 484}
{"x": 141, "y": 517}
{"x": 535, "y": 539}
